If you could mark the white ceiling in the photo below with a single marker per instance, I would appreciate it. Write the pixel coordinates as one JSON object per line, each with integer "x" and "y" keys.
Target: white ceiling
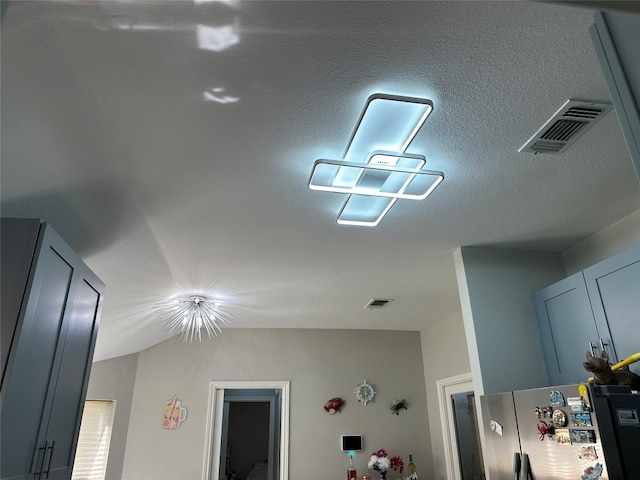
{"x": 106, "y": 134}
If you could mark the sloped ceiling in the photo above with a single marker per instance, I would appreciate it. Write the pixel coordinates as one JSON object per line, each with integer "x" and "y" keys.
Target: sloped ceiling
{"x": 174, "y": 167}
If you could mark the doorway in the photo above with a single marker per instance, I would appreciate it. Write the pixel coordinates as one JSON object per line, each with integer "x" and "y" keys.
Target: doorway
{"x": 460, "y": 431}
{"x": 249, "y": 445}
{"x": 226, "y": 451}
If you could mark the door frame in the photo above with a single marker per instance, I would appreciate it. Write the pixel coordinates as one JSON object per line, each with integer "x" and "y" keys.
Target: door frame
{"x": 213, "y": 431}
{"x": 447, "y": 387}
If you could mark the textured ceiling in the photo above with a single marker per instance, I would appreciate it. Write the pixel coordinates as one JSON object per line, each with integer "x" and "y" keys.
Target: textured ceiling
{"x": 173, "y": 166}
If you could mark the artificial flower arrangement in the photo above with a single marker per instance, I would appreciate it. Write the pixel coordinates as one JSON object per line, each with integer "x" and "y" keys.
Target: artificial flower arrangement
{"x": 381, "y": 462}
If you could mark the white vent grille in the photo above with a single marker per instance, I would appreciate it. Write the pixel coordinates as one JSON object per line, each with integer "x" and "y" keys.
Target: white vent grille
{"x": 378, "y": 303}
{"x": 573, "y": 119}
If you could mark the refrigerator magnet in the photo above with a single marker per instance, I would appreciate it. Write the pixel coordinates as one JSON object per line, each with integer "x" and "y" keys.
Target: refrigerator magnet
{"x": 543, "y": 412}
{"x": 593, "y": 473}
{"x": 556, "y": 399}
{"x": 576, "y": 404}
{"x": 584, "y": 393}
{"x": 583, "y": 436}
{"x": 562, "y": 436}
{"x": 587, "y": 453}
{"x": 580, "y": 419}
{"x": 559, "y": 418}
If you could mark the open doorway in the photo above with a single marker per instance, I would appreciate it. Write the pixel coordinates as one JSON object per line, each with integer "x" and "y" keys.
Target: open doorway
{"x": 249, "y": 446}
{"x": 467, "y": 436}
{"x": 463, "y": 451}
{"x": 231, "y": 448}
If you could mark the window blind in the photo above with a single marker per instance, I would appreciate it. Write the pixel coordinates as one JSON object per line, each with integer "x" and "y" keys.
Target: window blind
{"x": 93, "y": 444}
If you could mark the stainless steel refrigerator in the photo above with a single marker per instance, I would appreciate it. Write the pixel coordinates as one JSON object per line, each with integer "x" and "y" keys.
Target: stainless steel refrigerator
{"x": 562, "y": 433}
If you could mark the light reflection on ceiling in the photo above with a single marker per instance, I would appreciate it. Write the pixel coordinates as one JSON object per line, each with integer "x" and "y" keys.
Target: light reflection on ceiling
{"x": 214, "y": 96}
{"x": 217, "y": 39}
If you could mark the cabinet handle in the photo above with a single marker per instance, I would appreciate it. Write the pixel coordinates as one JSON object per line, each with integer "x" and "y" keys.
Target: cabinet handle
{"x": 46, "y": 472}
{"x": 44, "y": 454}
{"x": 592, "y": 347}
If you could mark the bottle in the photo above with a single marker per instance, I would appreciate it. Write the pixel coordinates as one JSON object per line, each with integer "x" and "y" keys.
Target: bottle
{"x": 411, "y": 469}
{"x": 351, "y": 471}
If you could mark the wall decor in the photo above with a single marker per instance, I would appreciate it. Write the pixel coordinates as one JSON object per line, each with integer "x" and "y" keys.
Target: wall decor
{"x": 334, "y": 405}
{"x": 174, "y": 414}
{"x": 399, "y": 404}
{"x": 365, "y": 392}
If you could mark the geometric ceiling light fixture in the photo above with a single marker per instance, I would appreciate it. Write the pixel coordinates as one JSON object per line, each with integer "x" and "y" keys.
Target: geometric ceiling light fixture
{"x": 188, "y": 315}
{"x": 376, "y": 171}
{"x": 376, "y": 180}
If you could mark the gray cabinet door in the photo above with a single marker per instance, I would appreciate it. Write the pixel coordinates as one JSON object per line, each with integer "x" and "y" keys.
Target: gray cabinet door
{"x": 45, "y": 384}
{"x": 567, "y": 329}
{"x": 614, "y": 290}
{"x": 15, "y": 259}
{"x": 71, "y": 386}
{"x": 33, "y": 360}
{"x": 616, "y": 36}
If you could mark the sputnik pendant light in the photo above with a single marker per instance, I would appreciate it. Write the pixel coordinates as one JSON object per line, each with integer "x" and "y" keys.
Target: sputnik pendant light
{"x": 188, "y": 315}
{"x": 376, "y": 171}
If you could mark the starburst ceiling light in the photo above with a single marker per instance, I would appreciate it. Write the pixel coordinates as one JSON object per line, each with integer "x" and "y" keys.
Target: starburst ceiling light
{"x": 376, "y": 170}
{"x": 187, "y": 316}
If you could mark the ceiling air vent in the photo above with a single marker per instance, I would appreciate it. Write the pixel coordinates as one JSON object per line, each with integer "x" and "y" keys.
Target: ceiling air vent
{"x": 567, "y": 125}
{"x": 378, "y": 303}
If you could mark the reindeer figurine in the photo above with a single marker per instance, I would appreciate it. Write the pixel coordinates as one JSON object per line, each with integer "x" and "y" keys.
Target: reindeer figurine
{"x": 604, "y": 374}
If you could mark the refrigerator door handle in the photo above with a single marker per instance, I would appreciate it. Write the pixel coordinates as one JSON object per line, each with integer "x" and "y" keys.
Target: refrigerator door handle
{"x": 516, "y": 466}
{"x": 525, "y": 471}
{"x": 592, "y": 347}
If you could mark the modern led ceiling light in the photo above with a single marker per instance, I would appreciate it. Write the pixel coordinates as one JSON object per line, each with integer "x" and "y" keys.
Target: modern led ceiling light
{"x": 377, "y": 180}
{"x": 187, "y": 316}
{"x": 376, "y": 171}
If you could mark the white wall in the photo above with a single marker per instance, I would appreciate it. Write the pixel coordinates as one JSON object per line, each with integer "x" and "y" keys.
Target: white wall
{"x": 444, "y": 352}
{"x": 320, "y": 364}
{"x": 114, "y": 379}
{"x": 613, "y": 239}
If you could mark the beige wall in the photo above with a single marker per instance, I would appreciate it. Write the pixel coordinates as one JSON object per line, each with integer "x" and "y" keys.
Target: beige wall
{"x": 114, "y": 379}
{"x": 444, "y": 351}
{"x": 320, "y": 364}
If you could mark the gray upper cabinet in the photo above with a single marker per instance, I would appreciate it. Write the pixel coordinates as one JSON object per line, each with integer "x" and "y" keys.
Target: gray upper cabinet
{"x": 616, "y": 36}
{"x": 588, "y": 311}
{"x": 614, "y": 293}
{"x": 51, "y": 303}
{"x": 567, "y": 329}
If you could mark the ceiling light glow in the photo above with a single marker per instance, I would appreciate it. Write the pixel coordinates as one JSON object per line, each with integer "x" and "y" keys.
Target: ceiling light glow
{"x": 376, "y": 180}
{"x": 187, "y": 316}
{"x": 376, "y": 171}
